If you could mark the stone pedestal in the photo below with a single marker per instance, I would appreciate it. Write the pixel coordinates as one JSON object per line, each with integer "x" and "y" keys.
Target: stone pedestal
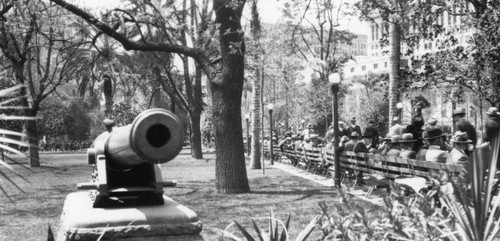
{"x": 168, "y": 222}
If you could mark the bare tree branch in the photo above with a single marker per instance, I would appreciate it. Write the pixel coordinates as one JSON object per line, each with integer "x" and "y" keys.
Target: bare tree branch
{"x": 197, "y": 54}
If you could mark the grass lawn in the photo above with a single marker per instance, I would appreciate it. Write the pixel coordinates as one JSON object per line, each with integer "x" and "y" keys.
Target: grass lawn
{"x": 28, "y": 216}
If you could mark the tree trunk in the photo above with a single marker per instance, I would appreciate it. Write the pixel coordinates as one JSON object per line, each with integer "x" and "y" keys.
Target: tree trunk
{"x": 196, "y": 147}
{"x": 255, "y": 149}
{"x": 108, "y": 95}
{"x": 32, "y": 133}
{"x": 230, "y": 170}
{"x": 394, "y": 64}
{"x": 196, "y": 150}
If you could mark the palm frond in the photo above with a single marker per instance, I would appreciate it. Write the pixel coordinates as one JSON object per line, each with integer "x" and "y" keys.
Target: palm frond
{"x": 11, "y": 91}
{"x": 475, "y": 210}
{"x": 11, "y": 96}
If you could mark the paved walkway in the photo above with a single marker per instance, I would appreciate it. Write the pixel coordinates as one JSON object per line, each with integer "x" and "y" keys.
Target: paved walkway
{"x": 359, "y": 192}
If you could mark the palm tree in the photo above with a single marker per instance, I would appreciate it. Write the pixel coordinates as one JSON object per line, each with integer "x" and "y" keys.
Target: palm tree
{"x": 255, "y": 155}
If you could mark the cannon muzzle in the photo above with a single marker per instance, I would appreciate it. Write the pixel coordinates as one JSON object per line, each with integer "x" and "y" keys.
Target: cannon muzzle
{"x": 155, "y": 136}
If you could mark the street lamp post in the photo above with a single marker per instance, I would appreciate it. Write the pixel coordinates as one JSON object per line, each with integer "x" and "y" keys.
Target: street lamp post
{"x": 399, "y": 105}
{"x": 247, "y": 118}
{"x": 270, "y": 108}
{"x": 334, "y": 80}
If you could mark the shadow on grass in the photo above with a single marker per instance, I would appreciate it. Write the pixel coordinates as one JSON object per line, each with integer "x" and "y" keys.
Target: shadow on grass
{"x": 304, "y": 194}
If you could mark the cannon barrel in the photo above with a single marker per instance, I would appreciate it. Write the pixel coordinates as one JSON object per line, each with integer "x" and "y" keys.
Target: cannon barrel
{"x": 155, "y": 136}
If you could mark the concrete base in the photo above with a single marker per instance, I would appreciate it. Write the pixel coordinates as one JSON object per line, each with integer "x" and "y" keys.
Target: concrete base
{"x": 171, "y": 221}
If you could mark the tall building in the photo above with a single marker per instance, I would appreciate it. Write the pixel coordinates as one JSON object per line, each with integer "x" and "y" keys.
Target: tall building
{"x": 376, "y": 59}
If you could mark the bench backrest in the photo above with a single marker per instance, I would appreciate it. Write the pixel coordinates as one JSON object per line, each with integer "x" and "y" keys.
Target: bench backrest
{"x": 390, "y": 167}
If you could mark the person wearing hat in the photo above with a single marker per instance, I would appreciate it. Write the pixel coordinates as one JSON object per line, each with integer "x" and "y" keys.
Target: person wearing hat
{"x": 394, "y": 147}
{"x": 491, "y": 130}
{"x": 416, "y": 129}
{"x": 423, "y": 150}
{"x": 353, "y": 127}
{"x": 461, "y": 124}
{"x": 343, "y": 130}
{"x": 434, "y": 152}
{"x": 384, "y": 147}
{"x": 431, "y": 123}
{"x": 460, "y": 143}
{"x": 406, "y": 144}
{"x": 330, "y": 133}
{"x": 353, "y": 139}
{"x": 372, "y": 132}
{"x": 285, "y": 142}
{"x": 397, "y": 128}
{"x": 364, "y": 144}
{"x": 315, "y": 140}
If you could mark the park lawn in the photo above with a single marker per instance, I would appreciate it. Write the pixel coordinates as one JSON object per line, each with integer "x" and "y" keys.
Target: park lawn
{"x": 28, "y": 215}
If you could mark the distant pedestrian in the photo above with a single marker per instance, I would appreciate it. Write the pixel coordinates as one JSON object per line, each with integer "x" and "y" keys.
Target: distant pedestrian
{"x": 343, "y": 131}
{"x": 353, "y": 127}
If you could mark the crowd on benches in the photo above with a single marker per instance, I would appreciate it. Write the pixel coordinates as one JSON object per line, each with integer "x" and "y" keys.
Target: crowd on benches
{"x": 419, "y": 141}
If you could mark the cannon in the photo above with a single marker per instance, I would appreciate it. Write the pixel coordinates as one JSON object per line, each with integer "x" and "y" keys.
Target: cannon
{"x": 126, "y": 160}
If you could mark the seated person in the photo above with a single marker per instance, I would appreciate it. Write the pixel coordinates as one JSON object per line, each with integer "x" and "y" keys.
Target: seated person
{"x": 492, "y": 127}
{"x": 353, "y": 139}
{"x": 384, "y": 147}
{"x": 460, "y": 144}
{"x": 423, "y": 150}
{"x": 406, "y": 144}
{"x": 434, "y": 153}
{"x": 315, "y": 140}
{"x": 394, "y": 147}
{"x": 364, "y": 144}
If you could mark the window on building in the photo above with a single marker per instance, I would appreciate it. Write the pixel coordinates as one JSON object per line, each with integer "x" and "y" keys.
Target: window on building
{"x": 373, "y": 32}
{"x": 352, "y": 70}
{"x": 385, "y": 64}
{"x": 375, "y": 66}
{"x": 363, "y": 67}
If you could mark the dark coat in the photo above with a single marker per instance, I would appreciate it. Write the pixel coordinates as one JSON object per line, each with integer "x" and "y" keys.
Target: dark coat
{"x": 417, "y": 134}
{"x": 360, "y": 147}
{"x": 466, "y": 126}
{"x": 344, "y": 132}
{"x": 352, "y": 129}
{"x": 372, "y": 132}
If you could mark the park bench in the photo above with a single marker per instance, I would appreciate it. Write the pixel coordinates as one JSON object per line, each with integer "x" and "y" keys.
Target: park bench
{"x": 314, "y": 159}
{"x": 290, "y": 154}
{"x": 390, "y": 168}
